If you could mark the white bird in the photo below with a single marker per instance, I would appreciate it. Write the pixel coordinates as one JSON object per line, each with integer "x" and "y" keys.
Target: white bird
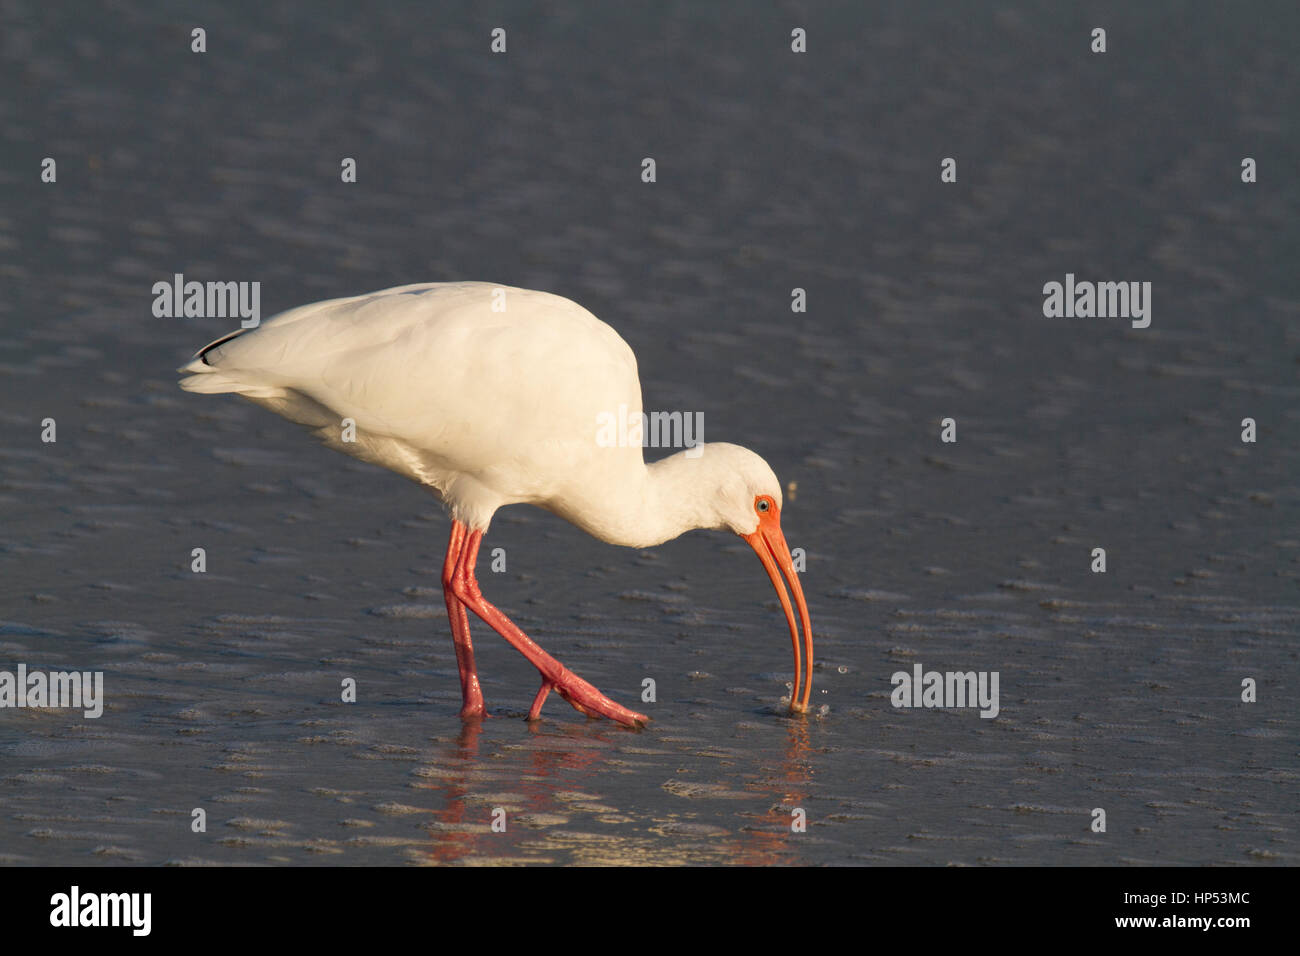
{"x": 491, "y": 396}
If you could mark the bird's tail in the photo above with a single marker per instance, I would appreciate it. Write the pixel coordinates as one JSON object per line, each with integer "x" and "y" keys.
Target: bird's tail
{"x": 205, "y": 373}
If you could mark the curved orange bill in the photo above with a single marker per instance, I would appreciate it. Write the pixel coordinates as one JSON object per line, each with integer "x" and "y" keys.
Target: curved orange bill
{"x": 769, "y": 544}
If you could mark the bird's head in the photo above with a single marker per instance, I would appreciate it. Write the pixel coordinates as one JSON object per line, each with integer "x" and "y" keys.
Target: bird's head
{"x": 748, "y": 502}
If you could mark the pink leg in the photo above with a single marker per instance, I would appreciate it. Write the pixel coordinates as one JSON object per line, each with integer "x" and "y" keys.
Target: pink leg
{"x": 535, "y": 712}
{"x": 583, "y": 696}
{"x": 471, "y": 694}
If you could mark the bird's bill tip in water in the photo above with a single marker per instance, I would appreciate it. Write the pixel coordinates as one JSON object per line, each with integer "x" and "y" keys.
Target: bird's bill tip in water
{"x": 769, "y": 544}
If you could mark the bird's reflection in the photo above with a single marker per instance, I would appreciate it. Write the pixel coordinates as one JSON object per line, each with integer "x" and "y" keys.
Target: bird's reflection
{"x": 455, "y": 839}
{"x": 559, "y": 776}
{"x": 769, "y": 839}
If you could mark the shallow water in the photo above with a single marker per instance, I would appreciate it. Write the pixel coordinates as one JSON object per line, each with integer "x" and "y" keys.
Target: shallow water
{"x": 1119, "y": 691}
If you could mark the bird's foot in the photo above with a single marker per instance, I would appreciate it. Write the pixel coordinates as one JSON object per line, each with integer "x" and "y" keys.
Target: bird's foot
{"x": 585, "y": 699}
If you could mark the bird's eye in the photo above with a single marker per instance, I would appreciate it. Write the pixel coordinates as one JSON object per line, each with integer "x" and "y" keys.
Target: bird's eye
{"x": 762, "y": 505}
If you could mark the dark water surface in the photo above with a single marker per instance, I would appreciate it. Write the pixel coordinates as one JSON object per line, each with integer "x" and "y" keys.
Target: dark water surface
{"x": 1119, "y": 691}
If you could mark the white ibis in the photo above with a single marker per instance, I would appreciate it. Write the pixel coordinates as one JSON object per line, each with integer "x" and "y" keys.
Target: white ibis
{"x": 491, "y": 396}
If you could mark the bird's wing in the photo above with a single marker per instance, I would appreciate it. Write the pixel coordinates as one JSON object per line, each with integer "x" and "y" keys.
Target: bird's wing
{"x": 457, "y": 370}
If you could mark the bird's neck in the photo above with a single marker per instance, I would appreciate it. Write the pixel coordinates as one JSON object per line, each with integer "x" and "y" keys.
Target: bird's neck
{"x": 653, "y": 503}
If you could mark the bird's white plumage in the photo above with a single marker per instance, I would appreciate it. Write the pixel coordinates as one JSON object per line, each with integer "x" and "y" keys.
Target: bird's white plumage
{"x": 489, "y": 396}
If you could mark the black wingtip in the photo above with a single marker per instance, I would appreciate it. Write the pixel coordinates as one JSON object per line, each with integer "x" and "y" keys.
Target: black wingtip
{"x": 202, "y": 353}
